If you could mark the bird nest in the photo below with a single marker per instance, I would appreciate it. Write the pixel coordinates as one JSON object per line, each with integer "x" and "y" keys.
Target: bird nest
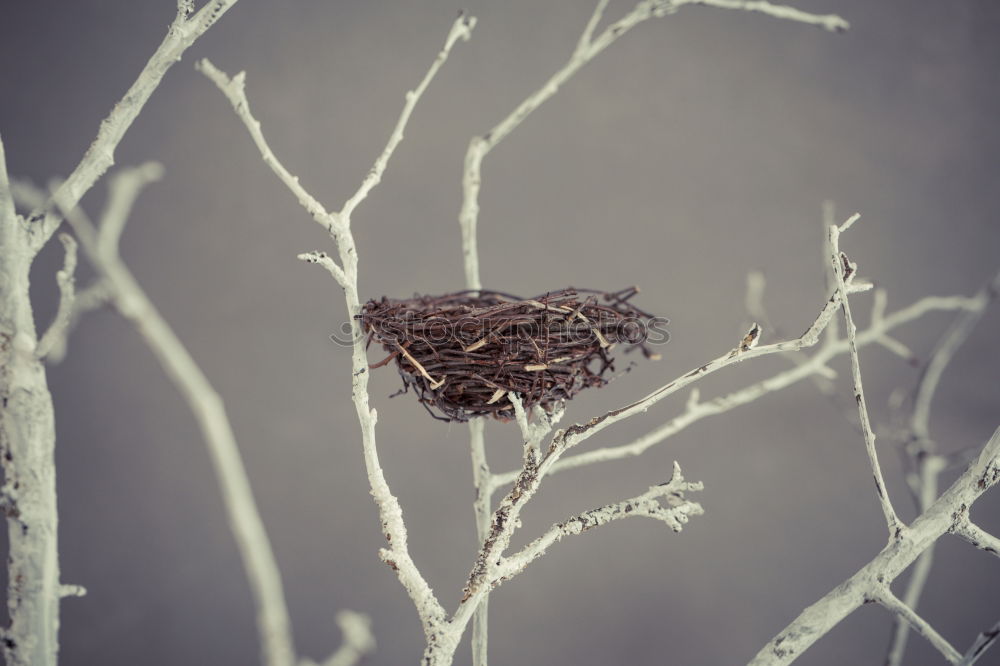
{"x": 462, "y": 353}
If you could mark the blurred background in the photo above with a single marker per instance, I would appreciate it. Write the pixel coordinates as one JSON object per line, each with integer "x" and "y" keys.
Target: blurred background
{"x": 697, "y": 148}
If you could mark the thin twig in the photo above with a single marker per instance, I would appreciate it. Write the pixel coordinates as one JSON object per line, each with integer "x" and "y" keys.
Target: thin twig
{"x": 123, "y": 189}
{"x": 886, "y": 598}
{"x": 929, "y": 471}
{"x": 479, "y": 146}
{"x": 273, "y": 623}
{"x": 7, "y": 211}
{"x": 953, "y": 339}
{"x": 357, "y": 642}
{"x": 746, "y": 350}
{"x": 818, "y": 619}
{"x": 234, "y": 90}
{"x": 460, "y": 29}
{"x": 587, "y": 47}
{"x": 482, "y": 481}
{"x": 983, "y": 642}
{"x": 844, "y": 269}
{"x": 921, "y": 451}
{"x": 181, "y": 34}
{"x": 829, "y": 22}
{"x": 977, "y": 536}
{"x": 664, "y": 502}
{"x": 67, "y": 295}
{"x": 440, "y": 640}
{"x": 696, "y": 411}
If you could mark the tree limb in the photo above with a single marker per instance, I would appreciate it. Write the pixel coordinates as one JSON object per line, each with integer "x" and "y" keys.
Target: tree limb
{"x": 818, "y": 619}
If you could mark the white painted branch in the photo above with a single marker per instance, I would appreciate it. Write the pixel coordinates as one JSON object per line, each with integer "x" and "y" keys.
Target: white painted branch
{"x": 754, "y": 303}
{"x": 879, "y": 302}
{"x": 181, "y": 34}
{"x": 273, "y": 624}
{"x": 506, "y": 518}
{"x": 92, "y": 297}
{"x": 983, "y": 642}
{"x": 482, "y": 481}
{"x": 358, "y": 640}
{"x": 828, "y": 219}
{"x": 829, "y": 22}
{"x": 443, "y": 635}
{"x": 327, "y": 262}
{"x": 460, "y": 29}
{"x": 699, "y": 410}
{"x": 234, "y": 90}
{"x": 843, "y": 270}
{"x": 746, "y": 349}
{"x": 664, "y": 502}
{"x": 441, "y": 640}
{"x": 886, "y": 598}
{"x": 930, "y": 467}
{"x": 72, "y": 590}
{"x": 920, "y": 448}
{"x": 67, "y": 295}
{"x": 27, "y": 452}
{"x": 33, "y": 563}
{"x": 941, "y": 517}
{"x": 7, "y": 211}
{"x": 123, "y": 189}
{"x": 977, "y": 536}
{"x": 587, "y": 48}
{"x": 480, "y": 146}
{"x": 952, "y": 340}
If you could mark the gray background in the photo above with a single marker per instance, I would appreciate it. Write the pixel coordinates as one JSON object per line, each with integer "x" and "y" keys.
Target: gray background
{"x": 697, "y": 148}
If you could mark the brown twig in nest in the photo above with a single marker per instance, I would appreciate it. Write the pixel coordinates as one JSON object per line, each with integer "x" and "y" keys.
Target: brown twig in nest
{"x": 463, "y": 352}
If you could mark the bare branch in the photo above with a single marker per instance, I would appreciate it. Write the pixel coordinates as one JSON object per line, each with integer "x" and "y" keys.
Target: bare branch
{"x": 886, "y": 598}
{"x": 818, "y": 619}
{"x": 925, "y": 464}
{"x": 532, "y": 434}
{"x": 878, "y": 314}
{"x": 977, "y": 536}
{"x": 27, "y": 451}
{"x": 460, "y": 29}
{"x": 664, "y": 502}
{"x": 830, "y": 278}
{"x": 234, "y": 90}
{"x": 67, "y": 292}
{"x": 124, "y": 188}
{"x": 273, "y": 623}
{"x": 844, "y": 270}
{"x": 746, "y": 349}
{"x": 327, "y": 262}
{"x": 480, "y": 146}
{"x": 588, "y": 32}
{"x": 983, "y": 642}
{"x": 72, "y": 590}
{"x": 92, "y": 297}
{"x": 829, "y": 22}
{"x": 952, "y": 340}
{"x": 7, "y": 211}
{"x": 928, "y": 492}
{"x": 181, "y": 34}
{"x": 482, "y": 481}
{"x": 699, "y": 410}
{"x": 432, "y": 615}
{"x": 754, "y": 303}
{"x": 358, "y": 640}
{"x": 587, "y": 48}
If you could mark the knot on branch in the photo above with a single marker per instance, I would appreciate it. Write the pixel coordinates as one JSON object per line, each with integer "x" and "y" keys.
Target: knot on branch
{"x": 462, "y": 353}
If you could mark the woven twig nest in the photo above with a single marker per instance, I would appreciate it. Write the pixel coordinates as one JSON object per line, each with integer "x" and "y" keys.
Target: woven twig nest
{"x": 463, "y": 352}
